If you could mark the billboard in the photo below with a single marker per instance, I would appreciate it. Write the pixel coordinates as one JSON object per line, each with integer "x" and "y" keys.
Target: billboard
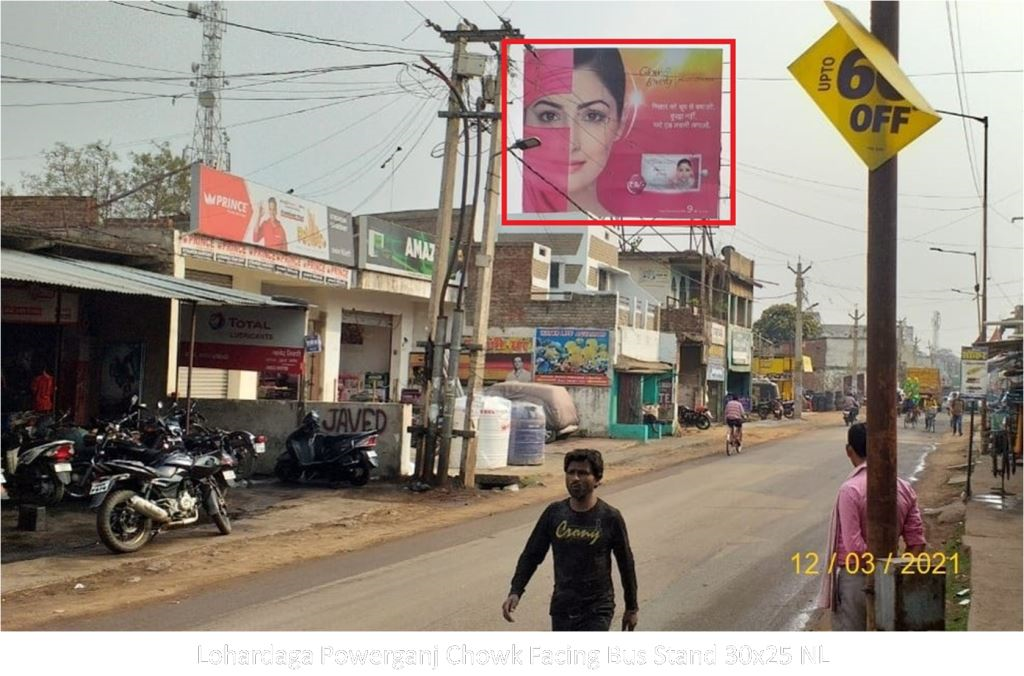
{"x": 742, "y": 347}
{"x": 626, "y": 132}
{"x": 245, "y": 339}
{"x": 388, "y": 247}
{"x": 231, "y": 208}
{"x": 508, "y": 359}
{"x": 973, "y": 373}
{"x": 242, "y": 255}
{"x": 572, "y": 357}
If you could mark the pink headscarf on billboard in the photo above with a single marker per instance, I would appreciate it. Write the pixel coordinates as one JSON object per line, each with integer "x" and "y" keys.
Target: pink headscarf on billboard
{"x": 549, "y": 73}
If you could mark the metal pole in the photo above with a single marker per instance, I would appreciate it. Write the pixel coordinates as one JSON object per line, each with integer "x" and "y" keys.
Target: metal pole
{"x": 970, "y": 449}
{"x": 882, "y": 531}
{"x": 191, "y": 362}
{"x": 482, "y": 303}
{"x": 856, "y": 316}
{"x": 798, "y": 343}
{"x": 984, "y": 279}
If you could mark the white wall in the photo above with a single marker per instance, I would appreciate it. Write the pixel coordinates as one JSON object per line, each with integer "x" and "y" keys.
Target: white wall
{"x": 592, "y": 405}
{"x": 668, "y": 349}
{"x": 638, "y": 343}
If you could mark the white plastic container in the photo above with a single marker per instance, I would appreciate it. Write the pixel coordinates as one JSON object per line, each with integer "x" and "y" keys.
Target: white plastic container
{"x": 492, "y": 417}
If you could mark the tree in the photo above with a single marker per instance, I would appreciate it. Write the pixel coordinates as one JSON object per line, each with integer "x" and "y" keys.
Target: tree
{"x": 89, "y": 171}
{"x": 92, "y": 171}
{"x": 778, "y": 324}
{"x": 166, "y": 197}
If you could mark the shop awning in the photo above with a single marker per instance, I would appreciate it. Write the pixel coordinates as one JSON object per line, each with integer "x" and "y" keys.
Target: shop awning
{"x": 630, "y": 365}
{"x": 79, "y": 274}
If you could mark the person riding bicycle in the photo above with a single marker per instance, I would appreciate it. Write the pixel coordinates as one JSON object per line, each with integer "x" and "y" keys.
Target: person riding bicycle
{"x": 734, "y": 419}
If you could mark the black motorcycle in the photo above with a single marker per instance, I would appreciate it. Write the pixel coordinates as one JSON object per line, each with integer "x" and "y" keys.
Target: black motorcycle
{"x": 698, "y": 417}
{"x": 769, "y": 408}
{"x": 201, "y": 437}
{"x": 310, "y": 454}
{"x": 136, "y": 501}
{"x": 788, "y": 408}
{"x": 850, "y": 416}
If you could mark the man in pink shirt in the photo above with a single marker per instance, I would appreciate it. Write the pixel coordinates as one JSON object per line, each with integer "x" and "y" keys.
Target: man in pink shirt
{"x": 843, "y": 590}
{"x": 734, "y": 419}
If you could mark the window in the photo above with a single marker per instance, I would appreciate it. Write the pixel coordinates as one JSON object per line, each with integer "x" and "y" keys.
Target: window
{"x": 555, "y": 276}
{"x": 602, "y": 280}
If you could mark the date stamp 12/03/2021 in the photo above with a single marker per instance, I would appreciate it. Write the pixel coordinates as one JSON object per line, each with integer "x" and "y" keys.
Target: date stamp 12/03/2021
{"x": 925, "y": 563}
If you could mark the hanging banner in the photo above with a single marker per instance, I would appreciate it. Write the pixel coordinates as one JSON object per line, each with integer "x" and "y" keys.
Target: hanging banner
{"x": 572, "y": 357}
{"x": 34, "y": 304}
{"x": 245, "y": 339}
{"x": 860, "y": 87}
{"x": 231, "y": 208}
{"x": 625, "y": 132}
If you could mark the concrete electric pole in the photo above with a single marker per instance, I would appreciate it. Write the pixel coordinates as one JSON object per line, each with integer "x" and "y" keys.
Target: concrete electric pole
{"x": 435, "y": 435}
{"x": 856, "y": 317}
{"x": 798, "y": 342}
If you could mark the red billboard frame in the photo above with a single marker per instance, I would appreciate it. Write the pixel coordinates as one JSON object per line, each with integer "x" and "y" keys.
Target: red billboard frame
{"x": 729, "y": 42}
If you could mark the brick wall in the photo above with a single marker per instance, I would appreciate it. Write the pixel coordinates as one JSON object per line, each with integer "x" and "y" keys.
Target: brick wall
{"x": 682, "y": 321}
{"x": 48, "y": 214}
{"x": 604, "y": 252}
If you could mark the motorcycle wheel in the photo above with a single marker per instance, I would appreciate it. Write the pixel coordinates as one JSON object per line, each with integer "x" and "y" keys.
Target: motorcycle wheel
{"x": 361, "y": 475}
{"x": 220, "y": 517}
{"x": 122, "y": 529}
{"x": 245, "y": 462}
{"x": 763, "y": 415}
{"x": 788, "y": 413}
{"x": 286, "y": 469}
{"x": 703, "y": 422}
{"x": 46, "y": 488}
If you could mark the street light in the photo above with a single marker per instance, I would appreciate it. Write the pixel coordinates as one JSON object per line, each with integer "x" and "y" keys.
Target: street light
{"x": 977, "y": 293}
{"x": 984, "y": 219}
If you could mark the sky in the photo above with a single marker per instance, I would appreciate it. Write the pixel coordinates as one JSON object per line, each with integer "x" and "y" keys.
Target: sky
{"x": 802, "y": 191}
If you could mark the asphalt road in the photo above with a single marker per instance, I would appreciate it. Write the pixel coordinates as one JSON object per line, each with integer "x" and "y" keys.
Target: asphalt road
{"x": 713, "y": 540}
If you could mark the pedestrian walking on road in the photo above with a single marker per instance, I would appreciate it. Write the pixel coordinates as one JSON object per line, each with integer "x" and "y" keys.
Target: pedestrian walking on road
{"x": 956, "y": 415}
{"x": 582, "y": 531}
{"x": 842, "y": 590}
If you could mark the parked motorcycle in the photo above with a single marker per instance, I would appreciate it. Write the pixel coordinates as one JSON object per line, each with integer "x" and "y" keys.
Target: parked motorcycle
{"x": 698, "y": 417}
{"x": 201, "y": 437}
{"x": 136, "y": 502}
{"x": 309, "y": 454}
{"x": 769, "y": 408}
{"x": 36, "y": 470}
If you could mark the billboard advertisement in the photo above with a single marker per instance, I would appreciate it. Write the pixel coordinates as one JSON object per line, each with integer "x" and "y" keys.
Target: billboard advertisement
{"x": 508, "y": 359}
{"x": 626, "y": 132}
{"x": 388, "y": 247}
{"x": 572, "y": 357}
{"x": 245, "y": 339}
{"x": 973, "y": 373}
{"x": 267, "y": 260}
{"x": 742, "y": 347}
{"x": 231, "y": 208}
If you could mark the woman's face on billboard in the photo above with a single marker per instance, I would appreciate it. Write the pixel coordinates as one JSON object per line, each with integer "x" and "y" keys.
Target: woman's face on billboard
{"x": 589, "y": 112}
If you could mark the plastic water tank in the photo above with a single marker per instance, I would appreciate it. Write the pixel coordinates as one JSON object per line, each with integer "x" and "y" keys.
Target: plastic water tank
{"x": 526, "y": 445}
{"x": 493, "y": 419}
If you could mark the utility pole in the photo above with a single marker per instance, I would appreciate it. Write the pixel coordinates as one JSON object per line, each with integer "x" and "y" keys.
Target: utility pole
{"x": 435, "y": 436}
{"x": 798, "y": 342}
{"x": 856, "y": 317}
{"x": 899, "y": 360}
{"x": 882, "y": 528}
{"x": 482, "y": 301}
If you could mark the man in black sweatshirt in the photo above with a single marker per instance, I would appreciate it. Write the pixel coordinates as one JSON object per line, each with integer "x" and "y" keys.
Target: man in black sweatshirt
{"x": 582, "y": 531}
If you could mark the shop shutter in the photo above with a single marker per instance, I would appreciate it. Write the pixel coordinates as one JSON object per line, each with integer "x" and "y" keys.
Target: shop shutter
{"x": 206, "y": 383}
{"x": 215, "y": 278}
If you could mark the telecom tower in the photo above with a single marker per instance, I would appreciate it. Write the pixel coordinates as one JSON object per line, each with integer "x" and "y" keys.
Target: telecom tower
{"x": 209, "y": 140}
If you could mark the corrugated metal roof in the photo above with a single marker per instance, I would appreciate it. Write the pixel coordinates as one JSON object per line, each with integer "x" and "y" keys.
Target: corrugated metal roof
{"x": 80, "y": 274}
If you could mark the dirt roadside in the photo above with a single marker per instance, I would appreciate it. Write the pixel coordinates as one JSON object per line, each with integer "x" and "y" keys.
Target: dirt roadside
{"x": 65, "y": 573}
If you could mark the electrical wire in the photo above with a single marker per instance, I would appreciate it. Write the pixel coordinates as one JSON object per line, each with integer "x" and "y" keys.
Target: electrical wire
{"x": 960, "y": 97}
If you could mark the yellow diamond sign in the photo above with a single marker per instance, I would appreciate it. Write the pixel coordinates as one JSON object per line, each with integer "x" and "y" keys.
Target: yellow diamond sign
{"x": 859, "y": 86}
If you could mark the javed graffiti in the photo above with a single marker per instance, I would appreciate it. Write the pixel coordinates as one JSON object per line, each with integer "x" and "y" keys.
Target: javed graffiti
{"x": 350, "y": 419}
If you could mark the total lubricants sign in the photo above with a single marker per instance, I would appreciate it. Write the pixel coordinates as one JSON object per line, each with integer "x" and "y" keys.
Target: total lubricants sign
{"x": 245, "y": 339}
